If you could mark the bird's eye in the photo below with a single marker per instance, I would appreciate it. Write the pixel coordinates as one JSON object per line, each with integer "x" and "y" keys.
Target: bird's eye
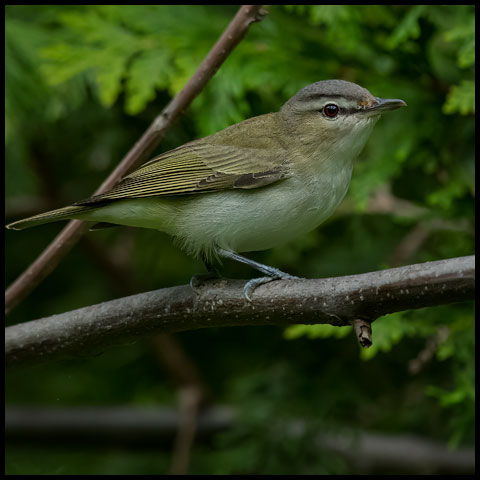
{"x": 330, "y": 110}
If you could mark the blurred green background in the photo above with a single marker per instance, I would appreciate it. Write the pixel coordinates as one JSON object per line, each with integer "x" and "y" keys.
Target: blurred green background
{"x": 82, "y": 85}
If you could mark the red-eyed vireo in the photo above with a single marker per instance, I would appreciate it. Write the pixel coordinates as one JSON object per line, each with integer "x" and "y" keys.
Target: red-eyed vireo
{"x": 252, "y": 186}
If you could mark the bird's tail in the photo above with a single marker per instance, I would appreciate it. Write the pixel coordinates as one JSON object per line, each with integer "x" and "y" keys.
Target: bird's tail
{"x": 65, "y": 213}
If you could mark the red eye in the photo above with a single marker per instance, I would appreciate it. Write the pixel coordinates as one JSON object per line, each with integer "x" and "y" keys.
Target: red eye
{"x": 330, "y": 110}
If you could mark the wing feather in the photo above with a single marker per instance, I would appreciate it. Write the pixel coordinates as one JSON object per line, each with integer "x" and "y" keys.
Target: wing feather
{"x": 199, "y": 167}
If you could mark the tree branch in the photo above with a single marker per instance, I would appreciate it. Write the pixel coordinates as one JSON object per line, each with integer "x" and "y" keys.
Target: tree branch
{"x": 336, "y": 301}
{"x": 187, "y": 429}
{"x": 69, "y": 236}
{"x": 155, "y": 427}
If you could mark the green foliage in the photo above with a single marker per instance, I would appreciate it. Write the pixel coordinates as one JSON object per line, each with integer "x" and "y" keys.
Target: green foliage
{"x": 464, "y": 36}
{"x": 408, "y": 28}
{"x": 123, "y": 50}
{"x": 461, "y": 99}
{"x": 83, "y": 83}
{"x": 316, "y": 331}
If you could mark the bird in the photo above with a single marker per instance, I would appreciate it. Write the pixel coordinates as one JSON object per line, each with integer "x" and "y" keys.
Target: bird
{"x": 253, "y": 186}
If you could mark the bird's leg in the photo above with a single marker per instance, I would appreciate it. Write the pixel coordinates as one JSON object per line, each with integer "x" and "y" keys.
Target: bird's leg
{"x": 198, "y": 280}
{"x": 251, "y": 285}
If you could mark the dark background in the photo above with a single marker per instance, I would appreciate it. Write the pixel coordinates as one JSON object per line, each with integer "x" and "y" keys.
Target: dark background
{"x": 83, "y": 83}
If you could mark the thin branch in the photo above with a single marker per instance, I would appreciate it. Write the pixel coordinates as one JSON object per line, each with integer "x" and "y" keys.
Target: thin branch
{"x": 336, "y": 301}
{"x": 154, "y": 427}
{"x": 371, "y": 451}
{"x": 418, "y": 363}
{"x": 123, "y": 424}
{"x": 187, "y": 428}
{"x": 68, "y": 237}
{"x": 193, "y": 393}
{"x": 180, "y": 367}
{"x": 413, "y": 240}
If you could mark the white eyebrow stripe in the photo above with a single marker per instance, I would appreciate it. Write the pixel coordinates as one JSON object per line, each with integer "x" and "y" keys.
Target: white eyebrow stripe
{"x": 318, "y": 103}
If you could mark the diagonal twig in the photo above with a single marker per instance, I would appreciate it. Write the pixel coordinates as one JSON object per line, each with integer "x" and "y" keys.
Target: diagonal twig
{"x": 69, "y": 236}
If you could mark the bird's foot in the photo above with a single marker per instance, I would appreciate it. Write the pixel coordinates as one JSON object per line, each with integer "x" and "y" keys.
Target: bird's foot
{"x": 252, "y": 284}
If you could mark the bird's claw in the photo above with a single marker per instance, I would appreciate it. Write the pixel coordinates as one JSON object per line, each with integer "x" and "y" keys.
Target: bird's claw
{"x": 254, "y": 283}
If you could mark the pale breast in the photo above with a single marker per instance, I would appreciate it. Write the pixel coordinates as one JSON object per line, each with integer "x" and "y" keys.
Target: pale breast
{"x": 262, "y": 218}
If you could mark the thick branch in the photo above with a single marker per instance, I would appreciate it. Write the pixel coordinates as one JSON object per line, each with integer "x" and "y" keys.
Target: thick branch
{"x": 69, "y": 236}
{"x": 155, "y": 428}
{"x": 337, "y": 301}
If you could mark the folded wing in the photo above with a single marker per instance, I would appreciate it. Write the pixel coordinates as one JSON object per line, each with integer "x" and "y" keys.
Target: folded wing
{"x": 198, "y": 167}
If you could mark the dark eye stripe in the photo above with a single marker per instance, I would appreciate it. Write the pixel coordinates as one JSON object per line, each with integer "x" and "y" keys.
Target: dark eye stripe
{"x": 349, "y": 111}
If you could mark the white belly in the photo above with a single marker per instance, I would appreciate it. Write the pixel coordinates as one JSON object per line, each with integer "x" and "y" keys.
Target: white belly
{"x": 238, "y": 220}
{"x": 249, "y": 220}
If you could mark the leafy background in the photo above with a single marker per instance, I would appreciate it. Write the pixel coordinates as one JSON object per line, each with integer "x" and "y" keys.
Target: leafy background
{"x": 84, "y": 82}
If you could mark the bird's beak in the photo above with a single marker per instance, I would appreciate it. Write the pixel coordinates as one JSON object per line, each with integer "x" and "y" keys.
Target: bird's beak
{"x": 384, "y": 104}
